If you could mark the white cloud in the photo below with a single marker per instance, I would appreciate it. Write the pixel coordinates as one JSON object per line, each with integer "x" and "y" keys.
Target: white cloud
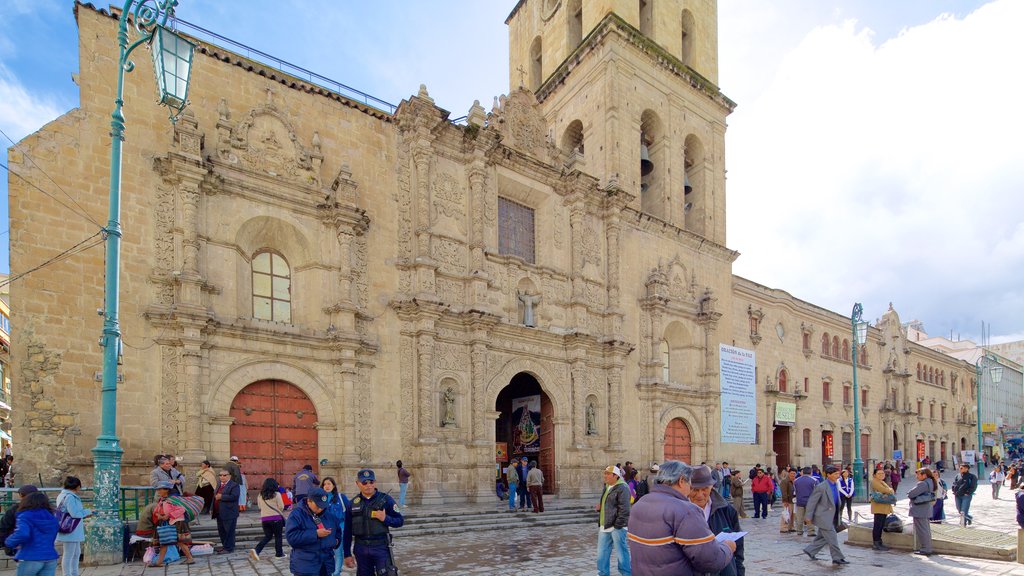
{"x": 889, "y": 172}
{"x": 23, "y": 113}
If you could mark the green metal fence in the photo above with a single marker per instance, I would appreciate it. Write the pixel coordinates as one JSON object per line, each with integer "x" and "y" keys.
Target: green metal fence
{"x": 133, "y": 498}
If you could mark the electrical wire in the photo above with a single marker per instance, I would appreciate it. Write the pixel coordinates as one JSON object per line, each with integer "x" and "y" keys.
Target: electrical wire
{"x": 76, "y": 249}
{"x": 55, "y": 199}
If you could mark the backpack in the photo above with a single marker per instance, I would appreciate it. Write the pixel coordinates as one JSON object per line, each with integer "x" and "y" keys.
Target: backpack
{"x": 893, "y": 524}
{"x": 642, "y": 488}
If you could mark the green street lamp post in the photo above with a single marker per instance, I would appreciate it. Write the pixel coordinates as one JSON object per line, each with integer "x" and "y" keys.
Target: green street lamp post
{"x": 172, "y": 61}
{"x": 860, "y": 335}
{"x": 996, "y": 372}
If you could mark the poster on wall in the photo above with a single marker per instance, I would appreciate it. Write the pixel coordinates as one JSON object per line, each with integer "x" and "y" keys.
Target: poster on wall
{"x": 526, "y": 424}
{"x": 501, "y": 451}
{"x": 967, "y": 456}
{"x": 738, "y": 398}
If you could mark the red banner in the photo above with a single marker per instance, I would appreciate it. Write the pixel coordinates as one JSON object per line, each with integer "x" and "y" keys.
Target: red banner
{"x": 829, "y": 447}
{"x": 920, "y": 450}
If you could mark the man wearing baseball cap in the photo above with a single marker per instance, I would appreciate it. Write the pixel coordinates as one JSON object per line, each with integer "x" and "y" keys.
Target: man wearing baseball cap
{"x": 371, "y": 515}
{"x": 313, "y": 535}
{"x": 823, "y": 512}
{"x": 612, "y": 520}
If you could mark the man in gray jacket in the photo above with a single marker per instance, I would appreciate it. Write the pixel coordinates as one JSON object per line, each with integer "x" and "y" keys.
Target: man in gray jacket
{"x": 823, "y": 512}
{"x": 612, "y": 520}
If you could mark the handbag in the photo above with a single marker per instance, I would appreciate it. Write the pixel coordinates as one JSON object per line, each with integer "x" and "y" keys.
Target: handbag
{"x": 883, "y": 498}
{"x": 66, "y": 523}
{"x": 167, "y": 534}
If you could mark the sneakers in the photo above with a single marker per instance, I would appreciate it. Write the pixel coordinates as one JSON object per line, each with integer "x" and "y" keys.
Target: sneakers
{"x": 252, "y": 554}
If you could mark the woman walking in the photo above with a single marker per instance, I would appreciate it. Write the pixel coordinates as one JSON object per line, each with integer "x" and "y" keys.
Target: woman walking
{"x": 882, "y": 499}
{"x": 271, "y": 518}
{"x": 206, "y": 479}
{"x": 68, "y": 501}
{"x": 337, "y": 507}
{"x": 939, "y": 508}
{"x": 846, "y": 494}
{"x": 34, "y": 534}
{"x": 996, "y": 477}
{"x": 922, "y": 497}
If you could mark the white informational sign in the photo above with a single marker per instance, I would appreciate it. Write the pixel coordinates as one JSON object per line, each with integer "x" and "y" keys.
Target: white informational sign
{"x": 739, "y": 402}
{"x": 967, "y": 456}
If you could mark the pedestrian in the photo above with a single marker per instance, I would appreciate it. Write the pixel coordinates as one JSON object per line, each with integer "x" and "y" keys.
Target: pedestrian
{"x": 736, "y": 489}
{"x": 271, "y": 507}
{"x": 726, "y": 481}
{"x": 788, "y": 493}
{"x": 225, "y": 509}
{"x": 1014, "y": 475}
{"x": 165, "y": 512}
{"x": 802, "y": 489}
{"x": 8, "y": 478}
{"x": 4, "y": 468}
{"x": 964, "y": 486}
{"x": 234, "y": 467}
{"x": 305, "y": 480}
{"x": 816, "y": 473}
{"x": 643, "y": 487}
{"x": 371, "y": 515}
{"x": 669, "y": 535}
{"x": 716, "y": 475}
{"x": 823, "y": 512}
{"x": 1019, "y": 498}
{"x": 69, "y": 502}
{"x": 206, "y": 479}
{"x": 34, "y": 535}
{"x": 921, "y": 496}
{"x": 996, "y": 477}
{"x": 894, "y": 479}
{"x": 882, "y": 497}
{"x": 311, "y": 532}
{"x": 9, "y": 518}
{"x": 165, "y": 471}
{"x": 939, "y": 507}
{"x": 612, "y": 519}
{"x": 761, "y": 487}
{"x": 403, "y": 484}
{"x": 721, "y": 517}
{"x": 846, "y": 494}
{"x": 524, "y": 492}
{"x": 337, "y": 506}
{"x": 903, "y": 468}
{"x": 512, "y": 474}
{"x": 535, "y": 484}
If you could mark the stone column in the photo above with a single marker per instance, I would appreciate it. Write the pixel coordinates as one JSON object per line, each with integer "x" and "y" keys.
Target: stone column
{"x": 478, "y": 359}
{"x": 191, "y": 358}
{"x": 425, "y": 360}
{"x": 578, "y": 395}
{"x": 615, "y": 408}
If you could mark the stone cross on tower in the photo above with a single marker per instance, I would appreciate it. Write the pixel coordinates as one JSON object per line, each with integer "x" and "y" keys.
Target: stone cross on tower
{"x": 522, "y": 75}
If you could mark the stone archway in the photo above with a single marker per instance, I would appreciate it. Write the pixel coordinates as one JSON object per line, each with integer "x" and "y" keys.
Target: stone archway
{"x": 525, "y": 423}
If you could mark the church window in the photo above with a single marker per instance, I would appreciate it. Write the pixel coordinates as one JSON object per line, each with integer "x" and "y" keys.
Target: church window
{"x": 686, "y": 55}
{"x": 647, "y": 18}
{"x": 515, "y": 230}
{"x": 536, "y": 64}
{"x": 694, "y": 190}
{"x": 271, "y": 287}
{"x": 572, "y": 140}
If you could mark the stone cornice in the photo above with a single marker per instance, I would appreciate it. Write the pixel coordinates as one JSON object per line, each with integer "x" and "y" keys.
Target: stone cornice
{"x": 655, "y": 225}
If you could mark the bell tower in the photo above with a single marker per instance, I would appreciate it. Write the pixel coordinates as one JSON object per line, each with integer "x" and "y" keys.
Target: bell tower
{"x": 630, "y": 86}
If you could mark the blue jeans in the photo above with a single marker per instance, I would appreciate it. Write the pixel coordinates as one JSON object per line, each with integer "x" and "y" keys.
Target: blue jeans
{"x": 604, "y": 552}
{"x": 69, "y": 560}
{"x": 963, "y": 505}
{"x": 512, "y": 491}
{"x": 402, "y": 489}
{"x": 339, "y": 558}
{"x": 726, "y": 488}
{"x": 524, "y": 495}
{"x": 36, "y": 567}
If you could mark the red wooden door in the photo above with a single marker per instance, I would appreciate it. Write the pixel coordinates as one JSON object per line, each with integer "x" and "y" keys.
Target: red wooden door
{"x": 677, "y": 441}
{"x": 546, "y": 459}
{"x": 274, "y": 432}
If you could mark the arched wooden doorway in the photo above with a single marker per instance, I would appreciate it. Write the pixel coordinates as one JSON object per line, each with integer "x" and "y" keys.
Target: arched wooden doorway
{"x": 678, "y": 442}
{"x": 274, "y": 433}
{"x": 526, "y": 425}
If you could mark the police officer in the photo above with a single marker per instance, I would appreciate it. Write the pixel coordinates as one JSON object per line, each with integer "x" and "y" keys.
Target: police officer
{"x": 372, "y": 513}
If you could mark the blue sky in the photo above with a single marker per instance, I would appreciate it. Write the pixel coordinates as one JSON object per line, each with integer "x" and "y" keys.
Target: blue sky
{"x": 874, "y": 155}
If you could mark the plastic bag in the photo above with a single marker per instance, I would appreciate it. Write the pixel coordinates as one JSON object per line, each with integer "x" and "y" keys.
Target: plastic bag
{"x": 202, "y": 549}
{"x": 786, "y": 515}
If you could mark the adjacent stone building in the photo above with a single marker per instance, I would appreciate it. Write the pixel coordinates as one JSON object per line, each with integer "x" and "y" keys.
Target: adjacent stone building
{"x": 309, "y": 279}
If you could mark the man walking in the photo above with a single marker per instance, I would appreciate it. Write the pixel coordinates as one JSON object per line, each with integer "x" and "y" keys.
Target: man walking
{"x": 964, "y": 486}
{"x": 304, "y": 481}
{"x": 802, "y": 489}
{"x": 371, "y": 515}
{"x": 535, "y": 484}
{"x": 788, "y": 492}
{"x": 996, "y": 477}
{"x": 612, "y": 521}
{"x": 823, "y": 512}
{"x": 225, "y": 510}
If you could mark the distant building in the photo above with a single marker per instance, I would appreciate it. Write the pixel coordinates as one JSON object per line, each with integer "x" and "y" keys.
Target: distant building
{"x": 5, "y": 366}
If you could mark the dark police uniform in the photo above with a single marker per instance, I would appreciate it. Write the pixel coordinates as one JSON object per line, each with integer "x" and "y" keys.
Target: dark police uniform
{"x": 370, "y": 535}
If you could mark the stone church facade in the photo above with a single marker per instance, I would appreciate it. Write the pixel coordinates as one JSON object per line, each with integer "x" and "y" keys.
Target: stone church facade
{"x": 308, "y": 279}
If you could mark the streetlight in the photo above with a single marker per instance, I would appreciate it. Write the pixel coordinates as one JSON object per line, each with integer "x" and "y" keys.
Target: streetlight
{"x": 996, "y": 373}
{"x": 860, "y": 336}
{"x": 172, "y": 61}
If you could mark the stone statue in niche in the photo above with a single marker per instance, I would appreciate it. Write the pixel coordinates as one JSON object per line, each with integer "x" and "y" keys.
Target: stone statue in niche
{"x": 591, "y": 420}
{"x": 449, "y": 407}
{"x": 529, "y": 314}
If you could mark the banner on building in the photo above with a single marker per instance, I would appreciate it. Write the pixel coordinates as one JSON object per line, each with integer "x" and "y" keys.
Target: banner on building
{"x": 785, "y": 414}
{"x": 738, "y": 398}
{"x": 830, "y": 447}
{"x": 501, "y": 451}
{"x": 526, "y": 424}
{"x": 988, "y": 426}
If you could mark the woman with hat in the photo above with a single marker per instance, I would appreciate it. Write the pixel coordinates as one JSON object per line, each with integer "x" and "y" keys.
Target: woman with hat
{"x": 164, "y": 511}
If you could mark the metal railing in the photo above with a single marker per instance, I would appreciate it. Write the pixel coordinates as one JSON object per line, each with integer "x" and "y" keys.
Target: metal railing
{"x": 133, "y": 498}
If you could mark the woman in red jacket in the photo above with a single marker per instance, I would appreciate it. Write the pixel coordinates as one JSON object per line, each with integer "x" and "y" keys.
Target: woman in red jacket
{"x": 762, "y": 488}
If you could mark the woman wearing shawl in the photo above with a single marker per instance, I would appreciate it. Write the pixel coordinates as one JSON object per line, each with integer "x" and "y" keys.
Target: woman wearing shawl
{"x": 163, "y": 510}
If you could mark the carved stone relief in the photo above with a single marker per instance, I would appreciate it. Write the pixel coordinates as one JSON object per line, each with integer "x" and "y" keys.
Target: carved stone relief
{"x": 449, "y": 204}
{"x": 450, "y": 255}
{"x": 264, "y": 142}
{"x": 169, "y": 382}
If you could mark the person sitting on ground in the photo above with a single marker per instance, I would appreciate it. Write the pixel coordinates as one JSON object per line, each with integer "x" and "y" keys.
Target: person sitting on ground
{"x": 164, "y": 511}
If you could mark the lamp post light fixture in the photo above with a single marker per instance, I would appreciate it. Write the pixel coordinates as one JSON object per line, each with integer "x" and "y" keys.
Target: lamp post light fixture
{"x": 860, "y": 336}
{"x": 996, "y": 373}
{"x": 172, "y": 61}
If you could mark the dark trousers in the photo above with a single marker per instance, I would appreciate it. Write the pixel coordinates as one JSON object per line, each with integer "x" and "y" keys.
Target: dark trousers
{"x": 847, "y": 503}
{"x": 226, "y": 530}
{"x": 537, "y": 495}
{"x": 524, "y": 496}
{"x": 876, "y": 528}
{"x": 272, "y": 529}
{"x": 206, "y": 493}
{"x": 761, "y": 504}
{"x": 370, "y": 559}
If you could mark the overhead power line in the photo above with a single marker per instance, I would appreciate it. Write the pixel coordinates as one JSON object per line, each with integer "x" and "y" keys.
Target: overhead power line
{"x": 76, "y": 249}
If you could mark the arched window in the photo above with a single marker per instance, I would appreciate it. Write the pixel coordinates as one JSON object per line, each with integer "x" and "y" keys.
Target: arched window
{"x": 835, "y": 347}
{"x": 783, "y": 378}
{"x": 918, "y": 370}
{"x": 666, "y": 360}
{"x": 694, "y": 186}
{"x": 931, "y": 374}
{"x": 536, "y": 64}
{"x": 825, "y": 343}
{"x": 574, "y": 34}
{"x": 647, "y": 18}
{"x": 864, "y": 355}
{"x": 271, "y": 287}
{"x": 572, "y": 139}
{"x": 807, "y": 438}
{"x": 686, "y": 54}
{"x": 846, "y": 349}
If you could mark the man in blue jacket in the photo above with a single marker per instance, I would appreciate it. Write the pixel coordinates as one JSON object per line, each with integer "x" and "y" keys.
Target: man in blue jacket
{"x": 225, "y": 510}
{"x": 312, "y": 533}
{"x": 802, "y": 487}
